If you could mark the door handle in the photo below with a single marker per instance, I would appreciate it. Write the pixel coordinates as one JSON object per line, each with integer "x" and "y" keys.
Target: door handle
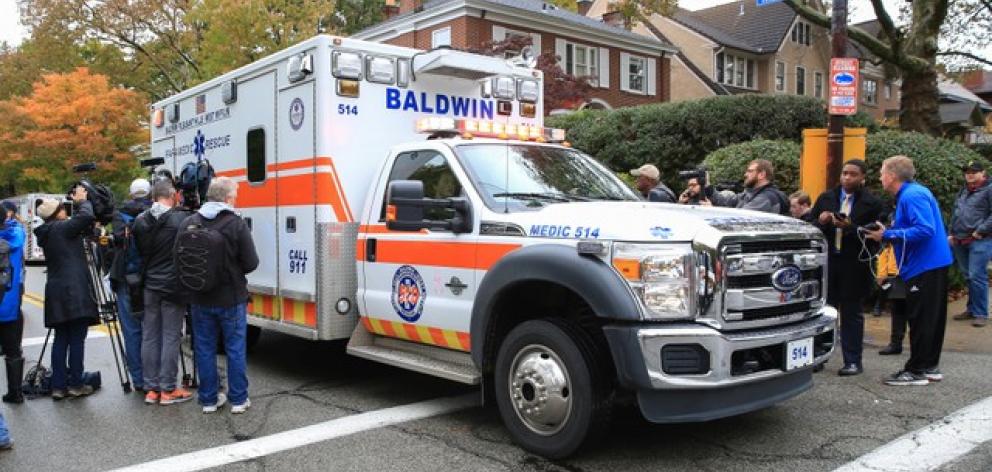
{"x": 370, "y": 249}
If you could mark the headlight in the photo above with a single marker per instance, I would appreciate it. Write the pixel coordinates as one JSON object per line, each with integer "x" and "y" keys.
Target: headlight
{"x": 663, "y": 276}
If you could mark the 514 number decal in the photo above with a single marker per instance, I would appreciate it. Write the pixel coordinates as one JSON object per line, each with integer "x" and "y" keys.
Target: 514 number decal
{"x": 347, "y": 109}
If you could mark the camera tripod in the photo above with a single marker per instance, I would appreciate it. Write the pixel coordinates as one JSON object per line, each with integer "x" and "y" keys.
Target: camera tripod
{"x": 106, "y": 302}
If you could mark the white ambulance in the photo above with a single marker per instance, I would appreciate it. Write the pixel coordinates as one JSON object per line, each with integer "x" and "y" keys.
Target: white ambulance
{"x": 26, "y": 205}
{"x": 412, "y": 202}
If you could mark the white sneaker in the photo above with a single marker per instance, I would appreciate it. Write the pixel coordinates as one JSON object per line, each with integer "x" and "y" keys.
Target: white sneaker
{"x": 238, "y": 409}
{"x": 221, "y": 400}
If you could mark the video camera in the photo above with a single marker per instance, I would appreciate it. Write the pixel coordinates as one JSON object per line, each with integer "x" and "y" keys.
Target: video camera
{"x": 99, "y": 195}
{"x": 193, "y": 181}
{"x": 699, "y": 174}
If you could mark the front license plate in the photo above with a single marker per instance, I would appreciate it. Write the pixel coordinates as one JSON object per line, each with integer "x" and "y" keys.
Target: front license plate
{"x": 798, "y": 353}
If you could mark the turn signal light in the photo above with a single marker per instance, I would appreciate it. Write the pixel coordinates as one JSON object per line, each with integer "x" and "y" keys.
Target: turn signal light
{"x": 630, "y": 269}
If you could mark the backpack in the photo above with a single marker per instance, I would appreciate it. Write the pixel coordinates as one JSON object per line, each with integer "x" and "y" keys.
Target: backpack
{"x": 132, "y": 260}
{"x": 201, "y": 253}
{"x": 6, "y": 267}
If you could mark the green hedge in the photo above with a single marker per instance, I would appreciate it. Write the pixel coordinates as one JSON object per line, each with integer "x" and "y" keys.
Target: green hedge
{"x": 983, "y": 149}
{"x": 728, "y": 164}
{"x": 938, "y": 162}
{"x": 677, "y": 136}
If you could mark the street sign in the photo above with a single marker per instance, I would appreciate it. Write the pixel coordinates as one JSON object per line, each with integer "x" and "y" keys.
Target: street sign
{"x": 845, "y": 81}
{"x": 762, "y": 3}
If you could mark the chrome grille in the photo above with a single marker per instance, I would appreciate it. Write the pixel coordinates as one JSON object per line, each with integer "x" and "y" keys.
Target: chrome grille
{"x": 751, "y": 300}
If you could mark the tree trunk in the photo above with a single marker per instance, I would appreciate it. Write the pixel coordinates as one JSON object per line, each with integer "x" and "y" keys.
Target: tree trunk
{"x": 919, "y": 103}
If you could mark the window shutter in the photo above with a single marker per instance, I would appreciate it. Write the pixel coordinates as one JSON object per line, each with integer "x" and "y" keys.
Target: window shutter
{"x": 535, "y": 41}
{"x": 499, "y": 33}
{"x": 652, "y": 76}
{"x": 560, "y": 52}
{"x": 604, "y": 67}
{"x": 625, "y": 72}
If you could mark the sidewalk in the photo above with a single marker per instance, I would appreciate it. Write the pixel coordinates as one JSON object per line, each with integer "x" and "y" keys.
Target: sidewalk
{"x": 960, "y": 336}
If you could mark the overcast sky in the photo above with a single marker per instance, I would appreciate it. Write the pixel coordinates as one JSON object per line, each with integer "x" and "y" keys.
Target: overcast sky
{"x": 12, "y": 32}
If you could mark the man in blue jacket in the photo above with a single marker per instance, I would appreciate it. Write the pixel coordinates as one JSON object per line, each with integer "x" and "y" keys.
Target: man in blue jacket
{"x": 923, "y": 255}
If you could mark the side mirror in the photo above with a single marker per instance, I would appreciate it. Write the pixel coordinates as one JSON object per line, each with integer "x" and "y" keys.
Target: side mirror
{"x": 405, "y": 209}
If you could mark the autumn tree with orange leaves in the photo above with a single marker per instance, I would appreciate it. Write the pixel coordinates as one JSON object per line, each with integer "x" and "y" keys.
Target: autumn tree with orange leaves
{"x": 70, "y": 119}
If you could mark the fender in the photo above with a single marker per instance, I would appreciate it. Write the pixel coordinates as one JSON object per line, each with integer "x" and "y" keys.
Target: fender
{"x": 595, "y": 281}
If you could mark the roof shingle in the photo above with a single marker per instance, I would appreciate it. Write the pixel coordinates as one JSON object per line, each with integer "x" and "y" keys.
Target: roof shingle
{"x": 742, "y": 25}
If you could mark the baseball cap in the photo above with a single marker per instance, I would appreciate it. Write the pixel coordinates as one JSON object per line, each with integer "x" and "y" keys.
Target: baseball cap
{"x": 648, "y": 171}
{"x": 48, "y": 207}
{"x": 973, "y": 166}
{"x": 140, "y": 188}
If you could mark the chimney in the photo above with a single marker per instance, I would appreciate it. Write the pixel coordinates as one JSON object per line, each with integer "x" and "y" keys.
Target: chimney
{"x": 584, "y": 6}
{"x": 614, "y": 18}
{"x": 407, "y": 6}
{"x": 390, "y": 9}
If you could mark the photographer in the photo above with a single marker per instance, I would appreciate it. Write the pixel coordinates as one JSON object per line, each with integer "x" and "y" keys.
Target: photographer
{"x": 11, "y": 317}
{"x": 155, "y": 233}
{"x": 69, "y": 306}
{"x": 124, "y": 273}
{"x": 697, "y": 191}
{"x": 760, "y": 193}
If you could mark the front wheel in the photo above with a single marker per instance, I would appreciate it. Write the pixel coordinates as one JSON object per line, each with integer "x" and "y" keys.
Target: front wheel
{"x": 550, "y": 387}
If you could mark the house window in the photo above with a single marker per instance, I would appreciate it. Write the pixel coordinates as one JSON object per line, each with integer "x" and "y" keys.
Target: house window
{"x": 734, "y": 70}
{"x": 818, "y": 84}
{"x": 636, "y": 73}
{"x": 779, "y": 76}
{"x": 888, "y": 91}
{"x": 870, "y": 90}
{"x": 800, "y": 80}
{"x": 750, "y": 73}
{"x": 582, "y": 61}
{"x": 441, "y": 37}
{"x": 802, "y": 33}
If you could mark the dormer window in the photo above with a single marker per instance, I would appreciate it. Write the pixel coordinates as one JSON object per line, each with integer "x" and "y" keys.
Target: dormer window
{"x": 802, "y": 33}
{"x": 735, "y": 70}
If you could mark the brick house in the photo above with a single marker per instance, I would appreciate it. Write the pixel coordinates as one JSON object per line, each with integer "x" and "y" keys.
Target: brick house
{"x": 739, "y": 47}
{"x": 627, "y": 68}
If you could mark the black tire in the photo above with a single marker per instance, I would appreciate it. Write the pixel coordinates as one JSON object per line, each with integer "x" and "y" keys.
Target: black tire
{"x": 588, "y": 386}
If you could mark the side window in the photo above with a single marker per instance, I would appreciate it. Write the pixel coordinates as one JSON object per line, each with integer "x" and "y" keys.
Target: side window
{"x": 433, "y": 170}
{"x": 255, "y": 155}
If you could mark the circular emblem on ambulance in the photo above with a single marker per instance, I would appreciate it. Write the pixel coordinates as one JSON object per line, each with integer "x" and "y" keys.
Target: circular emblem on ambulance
{"x": 409, "y": 293}
{"x": 787, "y": 278}
{"x": 296, "y": 113}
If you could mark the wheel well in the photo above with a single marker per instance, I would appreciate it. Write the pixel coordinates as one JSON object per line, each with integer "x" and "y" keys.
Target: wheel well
{"x": 530, "y": 300}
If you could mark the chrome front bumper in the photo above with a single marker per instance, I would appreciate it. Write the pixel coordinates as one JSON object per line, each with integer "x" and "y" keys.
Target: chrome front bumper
{"x": 640, "y": 366}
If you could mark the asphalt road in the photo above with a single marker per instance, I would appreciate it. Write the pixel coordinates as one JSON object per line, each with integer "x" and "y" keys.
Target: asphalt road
{"x": 297, "y": 383}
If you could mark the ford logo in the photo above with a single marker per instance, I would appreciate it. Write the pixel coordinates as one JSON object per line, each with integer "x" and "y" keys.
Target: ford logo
{"x": 787, "y": 279}
{"x": 844, "y": 78}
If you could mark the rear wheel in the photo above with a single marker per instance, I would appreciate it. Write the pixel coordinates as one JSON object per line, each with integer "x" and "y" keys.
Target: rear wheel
{"x": 550, "y": 387}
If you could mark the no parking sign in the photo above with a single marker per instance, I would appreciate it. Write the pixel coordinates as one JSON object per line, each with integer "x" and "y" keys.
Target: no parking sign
{"x": 844, "y": 85}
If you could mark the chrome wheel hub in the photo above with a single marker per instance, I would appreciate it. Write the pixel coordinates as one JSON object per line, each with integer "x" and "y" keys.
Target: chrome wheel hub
{"x": 540, "y": 389}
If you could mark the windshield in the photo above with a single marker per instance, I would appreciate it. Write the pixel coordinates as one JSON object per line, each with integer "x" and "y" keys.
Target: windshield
{"x": 521, "y": 177}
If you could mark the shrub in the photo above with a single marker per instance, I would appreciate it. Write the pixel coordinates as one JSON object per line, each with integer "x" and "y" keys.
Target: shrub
{"x": 728, "y": 164}
{"x": 938, "y": 163}
{"x": 677, "y": 136}
{"x": 984, "y": 149}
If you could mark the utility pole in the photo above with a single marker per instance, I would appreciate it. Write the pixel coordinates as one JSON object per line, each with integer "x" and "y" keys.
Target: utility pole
{"x": 835, "y": 124}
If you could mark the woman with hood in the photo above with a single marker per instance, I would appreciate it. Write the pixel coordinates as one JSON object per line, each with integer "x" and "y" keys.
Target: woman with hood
{"x": 69, "y": 306}
{"x": 11, "y": 318}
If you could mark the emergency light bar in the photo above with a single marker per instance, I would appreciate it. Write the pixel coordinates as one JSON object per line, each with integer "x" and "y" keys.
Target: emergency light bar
{"x": 490, "y": 129}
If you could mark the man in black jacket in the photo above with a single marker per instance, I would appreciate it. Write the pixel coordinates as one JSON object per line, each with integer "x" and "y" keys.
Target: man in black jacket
{"x": 127, "y": 264}
{"x": 69, "y": 306}
{"x": 839, "y": 212}
{"x": 221, "y": 311}
{"x": 155, "y": 233}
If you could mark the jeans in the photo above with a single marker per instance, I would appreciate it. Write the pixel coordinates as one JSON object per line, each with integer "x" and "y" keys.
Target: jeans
{"x": 973, "y": 261}
{"x": 131, "y": 329}
{"x": 231, "y": 324}
{"x": 162, "y": 326}
{"x": 4, "y": 432}
{"x": 70, "y": 341}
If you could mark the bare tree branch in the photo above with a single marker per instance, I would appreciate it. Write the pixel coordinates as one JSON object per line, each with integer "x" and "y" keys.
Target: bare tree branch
{"x": 966, "y": 54}
{"x": 884, "y": 19}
